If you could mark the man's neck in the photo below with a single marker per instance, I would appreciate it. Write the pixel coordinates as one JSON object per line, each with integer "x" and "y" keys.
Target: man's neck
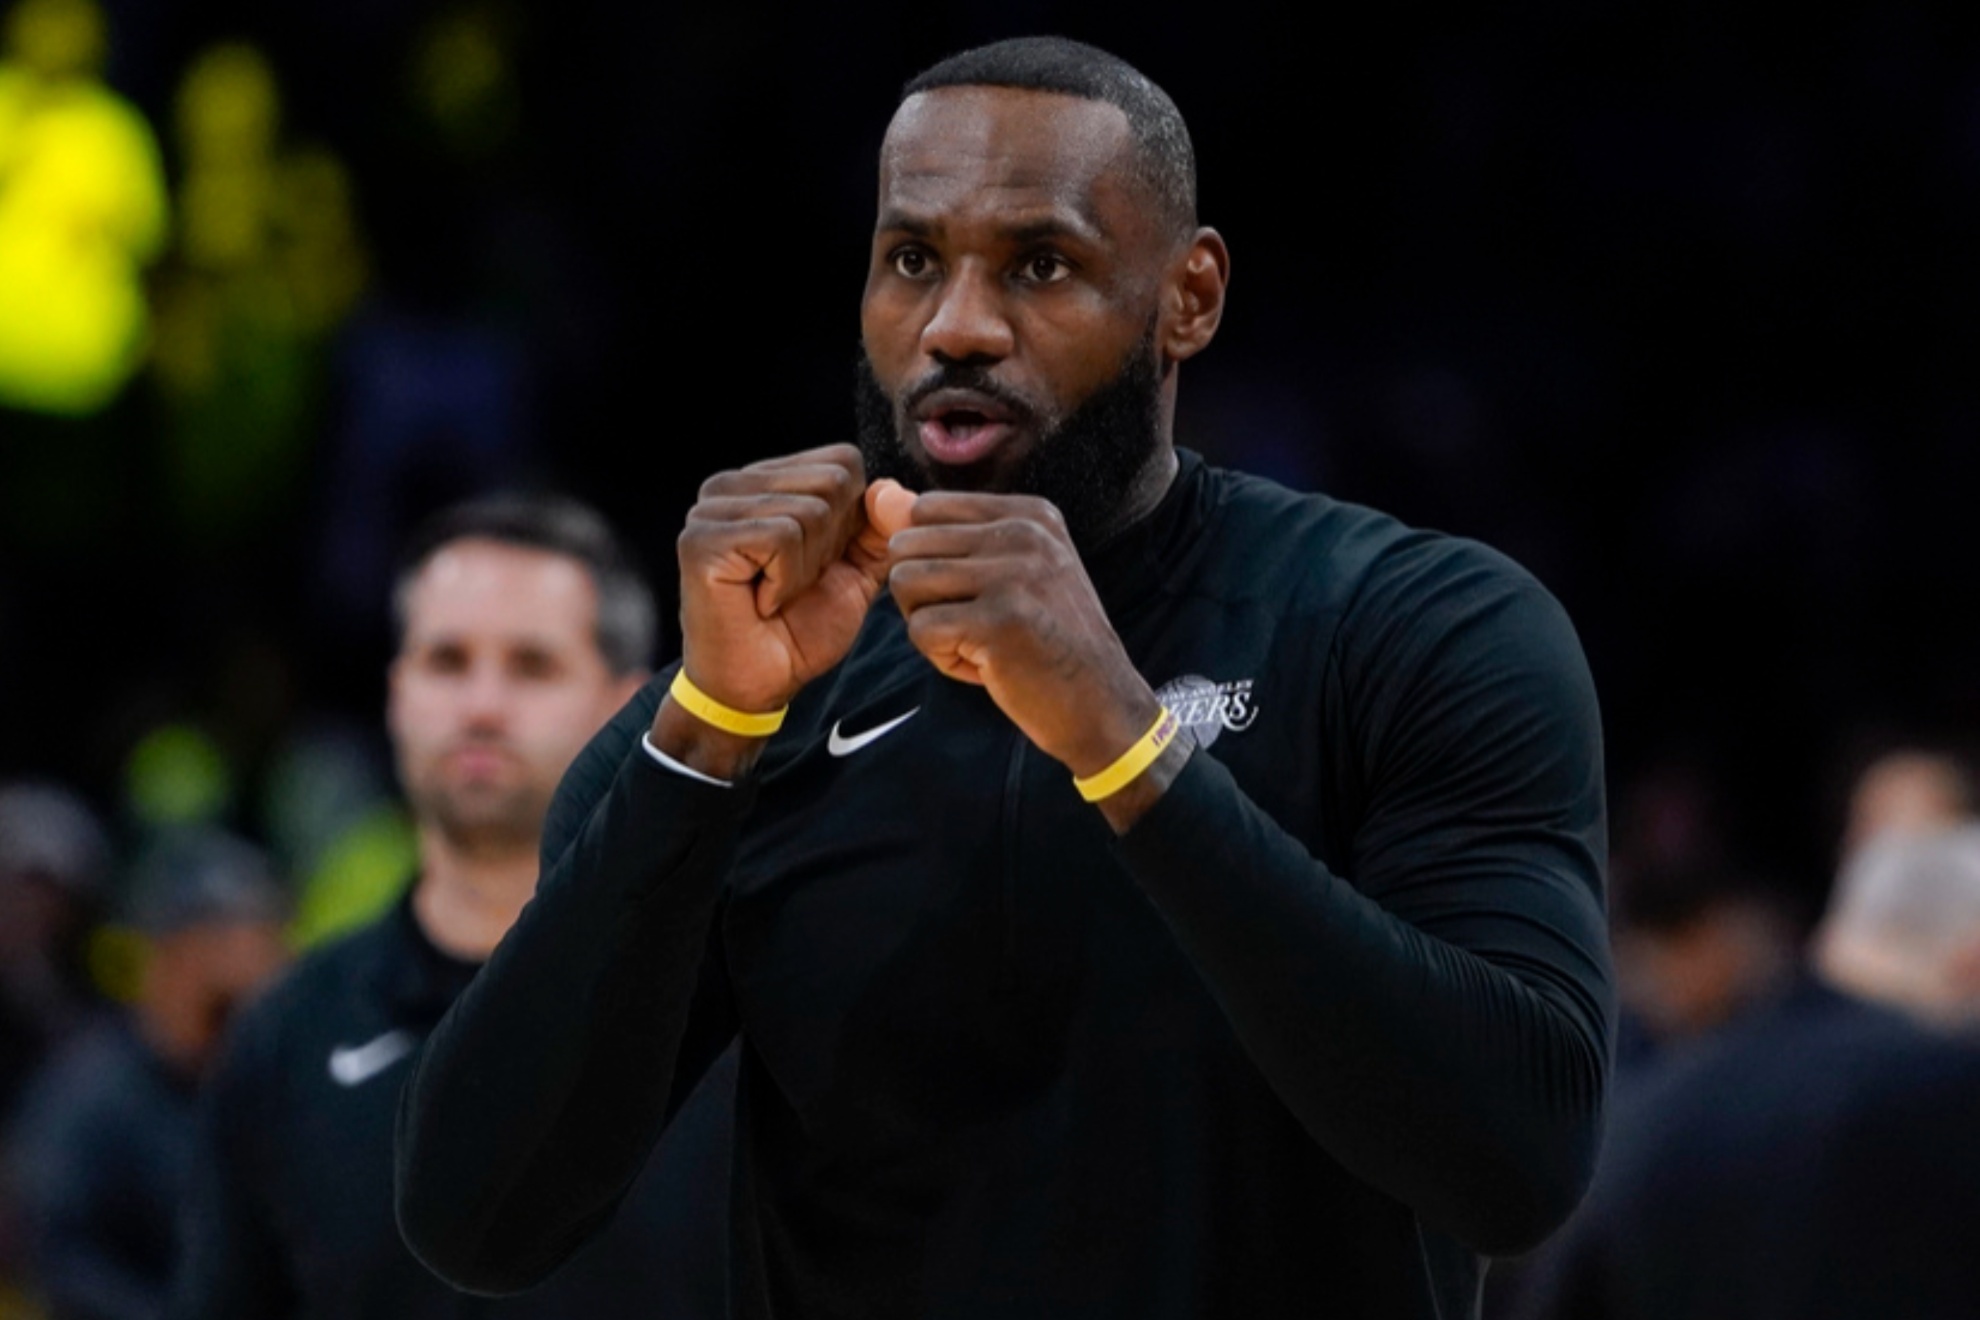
{"x": 465, "y": 901}
{"x": 1150, "y": 485}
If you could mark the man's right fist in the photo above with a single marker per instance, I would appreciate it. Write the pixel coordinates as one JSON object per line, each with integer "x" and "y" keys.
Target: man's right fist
{"x": 779, "y": 564}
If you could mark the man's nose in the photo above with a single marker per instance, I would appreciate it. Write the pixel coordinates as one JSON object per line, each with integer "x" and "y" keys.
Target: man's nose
{"x": 970, "y": 323}
{"x": 485, "y": 693}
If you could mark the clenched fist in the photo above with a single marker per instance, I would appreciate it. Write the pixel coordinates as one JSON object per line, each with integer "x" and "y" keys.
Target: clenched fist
{"x": 994, "y": 593}
{"x": 779, "y": 563}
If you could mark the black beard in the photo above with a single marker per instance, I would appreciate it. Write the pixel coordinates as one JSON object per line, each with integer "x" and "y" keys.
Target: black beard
{"x": 1086, "y": 465}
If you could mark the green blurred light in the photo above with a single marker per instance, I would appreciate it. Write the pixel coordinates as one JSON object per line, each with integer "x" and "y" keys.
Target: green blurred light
{"x": 362, "y": 873}
{"x": 176, "y": 775}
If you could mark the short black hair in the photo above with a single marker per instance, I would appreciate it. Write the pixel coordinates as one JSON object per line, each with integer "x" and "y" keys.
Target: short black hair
{"x": 627, "y": 620}
{"x": 1165, "y": 159}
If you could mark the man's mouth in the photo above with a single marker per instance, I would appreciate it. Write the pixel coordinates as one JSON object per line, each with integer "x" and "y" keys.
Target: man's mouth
{"x": 480, "y": 760}
{"x": 961, "y": 427}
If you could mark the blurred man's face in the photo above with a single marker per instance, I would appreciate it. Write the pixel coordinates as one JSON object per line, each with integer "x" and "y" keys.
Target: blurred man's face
{"x": 497, "y": 685}
{"x": 197, "y": 978}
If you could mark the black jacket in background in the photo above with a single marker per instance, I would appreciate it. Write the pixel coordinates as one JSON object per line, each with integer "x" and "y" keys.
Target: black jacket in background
{"x": 103, "y": 1145}
{"x": 1817, "y": 1160}
{"x": 291, "y": 1208}
{"x": 1332, "y": 1020}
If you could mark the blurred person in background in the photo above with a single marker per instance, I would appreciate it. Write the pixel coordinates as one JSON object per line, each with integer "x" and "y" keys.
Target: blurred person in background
{"x": 1904, "y": 925}
{"x": 1701, "y": 945}
{"x": 1814, "y": 1157}
{"x": 1701, "y": 942}
{"x": 104, "y": 1139}
{"x": 54, "y": 858}
{"x": 1910, "y": 790}
{"x": 1700, "y": 937}
{"x": 522, "y": 628}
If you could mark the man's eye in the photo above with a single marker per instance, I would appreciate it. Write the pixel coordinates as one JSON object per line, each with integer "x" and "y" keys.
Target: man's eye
{"x": 533, "y": 664}
{"x": 910, "y": 262}
{"x": 1045, "y": 268}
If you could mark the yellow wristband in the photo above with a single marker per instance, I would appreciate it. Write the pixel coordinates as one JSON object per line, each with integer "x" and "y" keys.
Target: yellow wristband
{"x": 726, "y": 718}
{"x": 1133, "y": 761}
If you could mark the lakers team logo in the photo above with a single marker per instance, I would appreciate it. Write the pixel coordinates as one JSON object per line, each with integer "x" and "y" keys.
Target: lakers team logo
{"x": 1207, "y": 709}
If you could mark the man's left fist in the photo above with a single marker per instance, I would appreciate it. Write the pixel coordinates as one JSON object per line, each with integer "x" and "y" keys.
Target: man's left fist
{"x": 994, "y": 593}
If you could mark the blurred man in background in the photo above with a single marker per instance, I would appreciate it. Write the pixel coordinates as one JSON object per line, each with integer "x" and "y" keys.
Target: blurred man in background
{"x": 523, "y": 627}
{"x": 54, "y": 857}
{"x": 54, "y": 860}
{"x": 1700, "y": 945}
{"x": 104, "y": 1142}
{"x": 1814, "y": 1157}
{"x": 1904, "y": 926}
{"x": 1910, "y": 790}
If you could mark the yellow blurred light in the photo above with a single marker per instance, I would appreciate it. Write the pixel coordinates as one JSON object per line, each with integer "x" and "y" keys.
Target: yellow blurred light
{"x": 321, "y": 257}
{"x": 462, "y": 75}
{"x": 228, "y": 108}
{"x": 220, "y": 216}
{"x": 55, "y": 38}
{"x": 82, "y": 208}
{"x": 461, "y": 65}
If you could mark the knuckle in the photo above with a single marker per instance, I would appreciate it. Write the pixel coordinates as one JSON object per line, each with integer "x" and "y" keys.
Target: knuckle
{"x": 931, "y": 506}
{"x": 718, "y": 485}
{"x": 805, "y": 509}
{"x": 842, "y": 486}
{"x": 998, "y": 612}
{"x": 851, "y": 461}
{"x": 1027, "y": 535}
{"x": 783, "y": 533}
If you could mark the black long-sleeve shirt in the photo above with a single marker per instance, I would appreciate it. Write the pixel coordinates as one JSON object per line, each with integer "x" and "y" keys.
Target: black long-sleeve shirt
{"x": 1331, "y": 1020}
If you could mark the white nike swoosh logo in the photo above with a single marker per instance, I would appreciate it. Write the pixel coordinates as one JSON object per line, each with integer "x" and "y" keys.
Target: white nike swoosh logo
{"x": 353, "y": 1065}
{"x": 838, "y": 745}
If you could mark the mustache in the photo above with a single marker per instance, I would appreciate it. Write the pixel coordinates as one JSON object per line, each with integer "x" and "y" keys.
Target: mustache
{"x": 477, "y": 740}
{"x": 973, "y": 377}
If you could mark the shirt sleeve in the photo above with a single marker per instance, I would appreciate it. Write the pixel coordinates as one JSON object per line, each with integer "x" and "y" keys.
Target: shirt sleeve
{"x": 232, "y": 1264}
{"x": 533, "y": 1105}
{"x": 1438, "y": 1018}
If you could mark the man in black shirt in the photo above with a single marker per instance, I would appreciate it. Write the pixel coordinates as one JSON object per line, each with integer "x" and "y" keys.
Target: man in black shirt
{"x": 522, "y": 628}
{"x": 1141, "y": 890}
{"x": 1813, "y": 1159}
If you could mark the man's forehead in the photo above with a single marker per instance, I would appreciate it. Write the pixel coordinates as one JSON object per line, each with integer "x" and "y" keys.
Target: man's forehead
{"x": 1013, "y": 140}
{"x": 498, "y": 587}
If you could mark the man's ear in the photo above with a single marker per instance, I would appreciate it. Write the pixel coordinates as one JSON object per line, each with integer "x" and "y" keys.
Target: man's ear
{"x": 1194, "y": 299}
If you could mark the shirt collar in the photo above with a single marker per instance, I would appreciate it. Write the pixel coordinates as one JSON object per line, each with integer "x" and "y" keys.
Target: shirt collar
{"x": 417, "y": 978}
{"x": 1130, "y": 566}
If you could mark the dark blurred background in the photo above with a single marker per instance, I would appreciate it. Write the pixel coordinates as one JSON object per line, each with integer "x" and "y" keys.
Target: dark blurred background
{"x": 1676, "y": 305}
